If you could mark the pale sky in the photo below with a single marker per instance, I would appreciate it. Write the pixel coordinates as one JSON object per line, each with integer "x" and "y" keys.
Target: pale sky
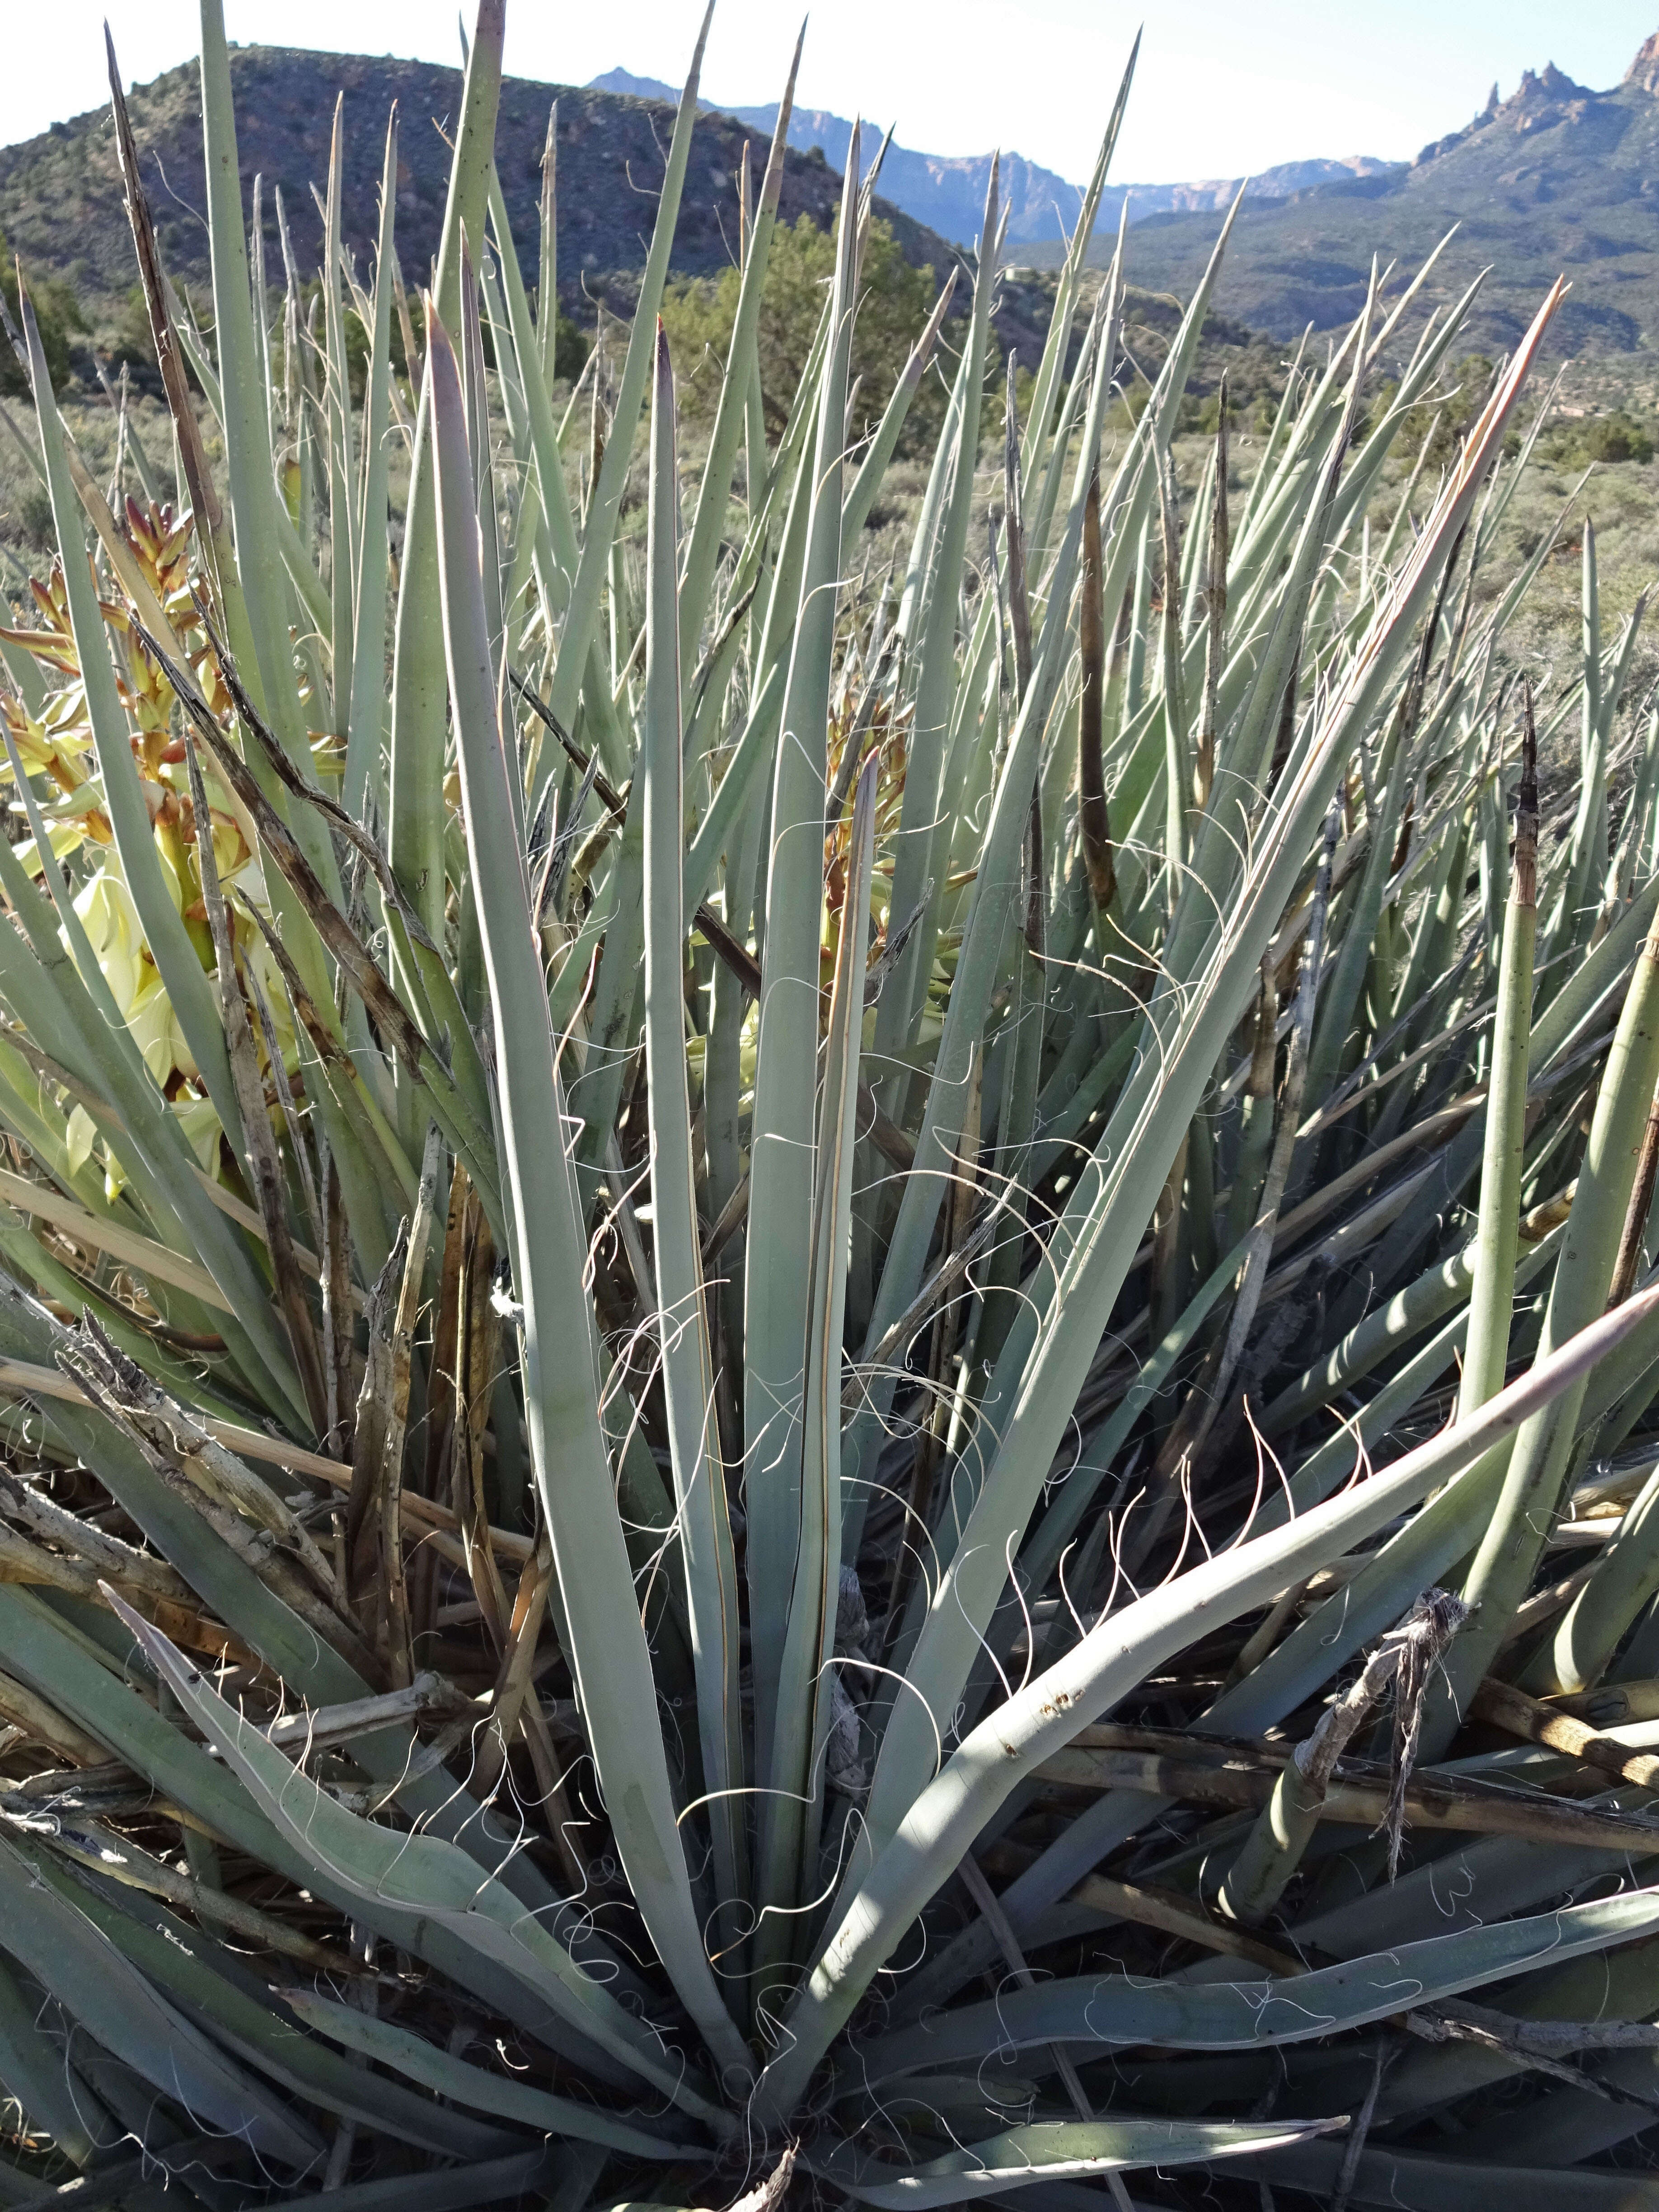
{"x": 1223, "y": 88}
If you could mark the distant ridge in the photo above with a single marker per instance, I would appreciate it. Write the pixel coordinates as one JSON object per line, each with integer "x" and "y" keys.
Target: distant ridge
{"x": 61, "y": 202}
{"x": 1557, "y": 178}
{"x": 947, "y": 191}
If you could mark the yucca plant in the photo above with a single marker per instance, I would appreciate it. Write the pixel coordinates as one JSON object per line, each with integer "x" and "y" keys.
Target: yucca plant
{"x": 743, "y": 1322}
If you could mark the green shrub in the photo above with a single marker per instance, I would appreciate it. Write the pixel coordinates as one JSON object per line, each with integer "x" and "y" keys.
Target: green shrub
{"x": 1600, "y": 439}
{"x": 896, "y": 300}
{"x": 57, "y": 311}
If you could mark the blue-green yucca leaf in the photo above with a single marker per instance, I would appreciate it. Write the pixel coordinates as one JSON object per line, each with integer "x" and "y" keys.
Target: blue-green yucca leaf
{"x": 915, "y": 851}
{"x": 209, "y": 1984}
{"x": 422, "y": 1875}
{"x": 456, "y": 1108}
{"x": 53, "y": 2095}
{"x": 1054, "y": 1531}
{"x": 227, "y": 1582}
{"x": 736, "y": 790}
{"x": 703, "y": 544}
{"x": 605, "y": 504}
{"x": 414, "y": 825}
{"x": 68, "y": 999}
{"x": 792, "y": 1815}
{"x": 1238, "y": 2015}
{"x": 253, "y": 496}
{"x": 366, "y": 711}
{"x": 1040, "y": 417}
{"x": 255, "y": 590}
{"x": 478, "y": 2090}
{"x": 910, "y": 1739}
{"x": 705, "y": 1530}
{"x": 1561, "y": 1025}
{"x": 542, "y": 437}
{"x": 614, "y": 1009}
{"x": 1052, "y": 2151}
{"x": 344, "y": 491}
{"x": 1415, "y": 2181}
{"x": 861, "y": 494}
{"x": 119, "y": 2008}
{"x": 609, "y": 1657}
{"x": 777, "y": 1288}
{"x": 696, "y": 1722}
{"x": 490, "y": 2181}
{"x": 998, "y": 865}
{"x": 1045, "y": 1360}
{"x": 1510, "y": 1544}
{"x": 44, "y": 1651}
{"x": 1111, "y": 1660}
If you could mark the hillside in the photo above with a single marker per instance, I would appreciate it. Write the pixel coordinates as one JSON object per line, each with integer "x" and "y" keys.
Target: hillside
{"x": 60, "y": 198}
{"x": 1556, "y": 178}
{"x": 947, "y": 191}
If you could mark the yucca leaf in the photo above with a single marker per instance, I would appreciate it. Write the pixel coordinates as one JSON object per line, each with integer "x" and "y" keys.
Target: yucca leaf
{"x": 958, "y": 1405}
{"x": 915, "y": 858}
{"x": 263, "y": 1159}
{"x": 45, "y": 1648}
{"x": 861, "y": 494}
{"x": 494, "y": 2181}
{"x": 1510, "y": 1543}
{"x": 62, "y": 1949}
{"x": 572, "y": 1474}
{"x": 542, "y": 434}
{"x": 1413, "y": 2179}
{"x": 425, "y": 1877}
{"x": 1225, "y": 2015}
{"x": 416, "y": 759}
{"x": 190, "y": 1972}
{"x": 978, "y": 1776}
{"x": 581, "y": 618}
{"x": 1053, "y": 2152}
{"x": 1039, "y": 420}
{"x": 53, "y": 2095}
{"x": 994, "y": 898}
{"x": 365, "y": 711}
{"x": 1045, "y": 1364}
{"x": 705, "y": 1533}
{"x": 791, "y": 1812}
{"x": 476, "y": 2089}
{"x": 777, "y": 1289}
{"x": 254, "y": 502}
{"x": 345, "y": 514}
{"x": 703, "y": 544}
{"x": 472, "y": 1139}
{"x": 43, "y": 986}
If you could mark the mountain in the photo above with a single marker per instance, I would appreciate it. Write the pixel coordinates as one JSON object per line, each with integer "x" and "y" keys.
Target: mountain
{"x": 950, "y": 189}
{"x": 1557, "y": 178}
{"x": 61, "y": 206}
{"x": 947, "y": 191}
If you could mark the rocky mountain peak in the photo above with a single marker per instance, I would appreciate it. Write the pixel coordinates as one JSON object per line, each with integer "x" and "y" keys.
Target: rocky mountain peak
{"x": 1548, "y": 83}
{"x": 1643, "y": 71}
{"x": 1543, "y": 97}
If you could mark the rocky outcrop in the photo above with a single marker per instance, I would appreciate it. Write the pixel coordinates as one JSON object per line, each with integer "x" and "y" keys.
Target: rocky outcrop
{"x": 1643, "y": 71}
{"x": 1543, "y": 98}
{"x": 1436, "y": 147}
